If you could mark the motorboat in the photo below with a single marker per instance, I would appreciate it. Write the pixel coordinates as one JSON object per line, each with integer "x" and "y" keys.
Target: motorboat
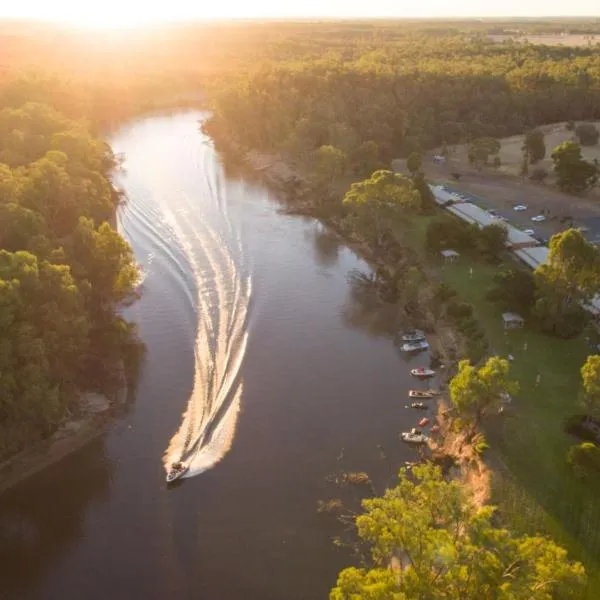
{"x": 422, "y": 394}
{"x": 412, "y": 335}
{"x": 435, "y": 429}
{"x": 414, "y": 346}
{"x": 414, "y": 436}
{"x": 177, "y": 470}
{"x": 423, "y": 422}
{"x": 422, "y": 372}
{"x": 419, "y": 405}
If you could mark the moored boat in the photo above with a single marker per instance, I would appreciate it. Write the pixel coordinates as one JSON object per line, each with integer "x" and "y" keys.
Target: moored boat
{"x": 420, "y": 405}
{"x": 177, "y": 470}
{"x": 422, "y": 372}
{"x": 414, "y": 346}
{"x": 412, "y": 335}
{"x": 422, "y": 393}
{"x": 414, "y": 436}
{"x": 423, "y": 422}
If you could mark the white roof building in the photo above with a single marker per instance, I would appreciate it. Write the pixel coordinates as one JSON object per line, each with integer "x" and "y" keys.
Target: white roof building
{"x": 533, "y": 257}
{"x": 443, "y": 196}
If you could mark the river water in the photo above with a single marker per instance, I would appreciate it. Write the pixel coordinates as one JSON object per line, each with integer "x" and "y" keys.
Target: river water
{"x": 264, "y": 372}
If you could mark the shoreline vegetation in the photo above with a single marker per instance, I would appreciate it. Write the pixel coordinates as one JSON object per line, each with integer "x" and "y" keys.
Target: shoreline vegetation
{"x": 68, "y": 360}
{"x": 486, "y": 475}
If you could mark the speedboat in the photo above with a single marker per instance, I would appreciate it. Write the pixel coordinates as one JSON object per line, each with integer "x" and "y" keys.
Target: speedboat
{"x": 414, "y": 436}
{"x": 412, "y": 335}
{"x": 422, "y": 393}
{"x": 422, "y": 372}
{"x": 419, "y": 405}
{"x": 423, "y": 422}
{"x": 414, "y": 346}
{"x": 178, "y": 469}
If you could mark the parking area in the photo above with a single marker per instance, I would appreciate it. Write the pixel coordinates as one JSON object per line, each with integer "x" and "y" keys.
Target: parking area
{"x": 500, "y": 194}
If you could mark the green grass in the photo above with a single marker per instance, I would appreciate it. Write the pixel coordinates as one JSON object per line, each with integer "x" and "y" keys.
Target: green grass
{"x": 536, "y": 491}
{"x": 533, "y": 486}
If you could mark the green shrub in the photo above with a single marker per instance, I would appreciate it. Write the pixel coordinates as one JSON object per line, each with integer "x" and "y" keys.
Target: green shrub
{"x": 584, "y": 458}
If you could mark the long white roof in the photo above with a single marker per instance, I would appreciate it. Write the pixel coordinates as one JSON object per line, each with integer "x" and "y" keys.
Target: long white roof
{"x": 533, "y": 257}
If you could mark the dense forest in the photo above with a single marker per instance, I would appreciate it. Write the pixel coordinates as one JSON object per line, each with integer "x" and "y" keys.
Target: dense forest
{"x": 400, "y": 90}
{"x": 63, "y": 272}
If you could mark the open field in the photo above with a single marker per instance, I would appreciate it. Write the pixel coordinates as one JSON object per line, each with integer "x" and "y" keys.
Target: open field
{"x": 549, "y": 39}
{"x": 511, "y": 154}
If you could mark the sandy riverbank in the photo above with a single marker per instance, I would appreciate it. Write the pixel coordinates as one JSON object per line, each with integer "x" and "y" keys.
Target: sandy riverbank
{"x": 94, "y": 413}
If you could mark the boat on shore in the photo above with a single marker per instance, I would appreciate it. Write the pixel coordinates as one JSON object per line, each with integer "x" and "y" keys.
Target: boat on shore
{"x": 177, "y": 470}
{"x": 422, "y": 394}
{"x": 412, "y": 335}
{"x": 414, "y": 436}
{"x": 422, "y": 372}
{"x": 414, "y": 346}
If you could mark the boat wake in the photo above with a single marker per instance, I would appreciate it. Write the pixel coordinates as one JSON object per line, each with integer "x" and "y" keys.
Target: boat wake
{"x": 216, "y": 257}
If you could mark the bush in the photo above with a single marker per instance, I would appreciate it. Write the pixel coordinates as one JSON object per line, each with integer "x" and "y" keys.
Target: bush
{"x": 576, "y": 425}
{"x": 459, "y": 310}
{"x": 538, "y": 175}
{"x": 584, "y": 458}
{"x": 587, "y": 134}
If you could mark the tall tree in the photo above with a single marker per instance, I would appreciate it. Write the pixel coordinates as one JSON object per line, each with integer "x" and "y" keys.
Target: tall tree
{"x": 573, "y": 173}
{"x": 382, "y": 196}
{"x": 428, "y": 541}
{"x": 473, "y": 391}
{"x": 414, "y": 162}
{"x": 534, "y": 146}
{"x": 590, "y": 375}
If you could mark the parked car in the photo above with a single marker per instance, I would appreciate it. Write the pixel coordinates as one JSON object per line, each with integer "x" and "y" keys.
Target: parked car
{"x": 538, "y": 218}
{"x": 520, "y": 207}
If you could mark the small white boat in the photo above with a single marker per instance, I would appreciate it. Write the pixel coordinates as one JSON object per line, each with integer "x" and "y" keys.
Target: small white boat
{"x": 422, "y": 394}
{"x": 414, "y": 436}
{"x": 414, "y": 346}
{"x": 413, "y": 335}
{"x": 178, "y": 469}
{"x": 422, "y": 372}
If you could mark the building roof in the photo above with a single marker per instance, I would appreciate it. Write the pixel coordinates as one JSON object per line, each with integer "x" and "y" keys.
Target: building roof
{"x": 474, "y": 214}
{"x": 533, "y": 257}
{"x": 517, "y": 238}
{"x": 509, "y": 317}
{"x": 442, "y": 196}
{"x": 449, "y": 253}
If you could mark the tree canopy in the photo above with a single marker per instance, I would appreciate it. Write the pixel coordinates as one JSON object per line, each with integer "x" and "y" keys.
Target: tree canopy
{"x": 63, "y": 271}
{"x": 473, "y": 391}
{"x": 384, "y": 194}
{"x": 573, "y": 173}
{"x": 428, "y": 541}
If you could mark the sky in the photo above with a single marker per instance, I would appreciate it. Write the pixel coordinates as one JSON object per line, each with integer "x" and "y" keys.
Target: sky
{"x": 131, "y": 13}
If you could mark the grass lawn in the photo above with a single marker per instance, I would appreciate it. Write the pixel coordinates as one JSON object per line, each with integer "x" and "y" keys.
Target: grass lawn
{"x": 536, "y": 491}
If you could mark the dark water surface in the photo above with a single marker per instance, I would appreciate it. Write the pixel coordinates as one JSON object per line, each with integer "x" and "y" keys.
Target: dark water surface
{"x": 260, "y": 372}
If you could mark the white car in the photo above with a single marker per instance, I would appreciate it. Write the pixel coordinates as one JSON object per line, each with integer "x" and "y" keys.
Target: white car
{"x": 520, "y": 207}
{"x": 528, "y": 231}
{"x": 538, "y": 218}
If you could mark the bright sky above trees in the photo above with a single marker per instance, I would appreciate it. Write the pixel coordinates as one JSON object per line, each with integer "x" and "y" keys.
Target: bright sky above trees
{"x": 130, "y": 13}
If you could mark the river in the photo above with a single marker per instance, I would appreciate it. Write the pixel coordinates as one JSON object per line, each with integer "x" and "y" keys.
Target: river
{"x": 263, "y": 371}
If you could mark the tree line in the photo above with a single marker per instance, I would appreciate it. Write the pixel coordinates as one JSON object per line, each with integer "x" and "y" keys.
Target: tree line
{"x": 64, "y": 271}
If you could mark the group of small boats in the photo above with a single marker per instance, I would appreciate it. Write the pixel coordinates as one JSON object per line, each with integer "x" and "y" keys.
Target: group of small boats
{"x": 413, "y": 340}
{"x": 416, "y": 435}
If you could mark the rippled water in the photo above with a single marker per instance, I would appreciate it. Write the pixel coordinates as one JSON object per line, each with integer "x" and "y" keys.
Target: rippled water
{"x": 264, "y": 372}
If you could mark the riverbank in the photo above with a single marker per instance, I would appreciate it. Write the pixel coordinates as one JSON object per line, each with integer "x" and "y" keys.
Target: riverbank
{"x": 446, "y": 341}
{"x": 93, "y": 414}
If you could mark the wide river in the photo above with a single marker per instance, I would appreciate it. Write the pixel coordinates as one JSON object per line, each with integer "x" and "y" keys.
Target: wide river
{"x": 264, "y": 371}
